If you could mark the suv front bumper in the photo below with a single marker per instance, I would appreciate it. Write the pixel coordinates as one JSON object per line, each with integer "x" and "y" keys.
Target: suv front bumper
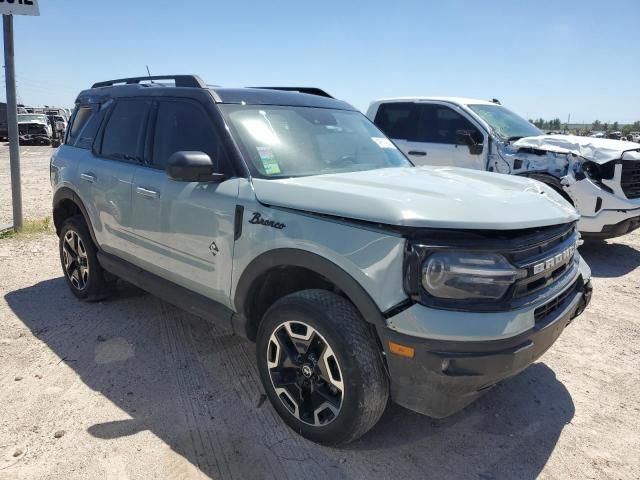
{"x": 444, "y": 376}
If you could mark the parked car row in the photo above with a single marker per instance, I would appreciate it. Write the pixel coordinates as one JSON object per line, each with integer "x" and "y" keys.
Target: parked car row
{"x": 296, "y": 221}
{"x": 36, "y": 126}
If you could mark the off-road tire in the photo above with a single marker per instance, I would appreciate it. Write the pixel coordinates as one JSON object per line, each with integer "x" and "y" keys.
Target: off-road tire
{"x": 99, "y": 284}
{"x": 352, "y": 340}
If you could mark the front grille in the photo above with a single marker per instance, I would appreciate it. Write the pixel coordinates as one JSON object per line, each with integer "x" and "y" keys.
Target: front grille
{"x": 631, "y": 178}
{"x": 555, "y": 304}
{"x": 547, "y": 255}
{"x": 558, "y": 258}
{"x": 32, "y": 129}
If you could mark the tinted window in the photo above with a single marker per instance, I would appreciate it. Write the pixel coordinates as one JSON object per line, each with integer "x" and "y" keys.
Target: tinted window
{"x": 398, "y": 120}
{"x": 79, "y": 120}
{"x": 124, "y": 128}
{"x": 183, "y": 125}
{"x": 440, "y": 124}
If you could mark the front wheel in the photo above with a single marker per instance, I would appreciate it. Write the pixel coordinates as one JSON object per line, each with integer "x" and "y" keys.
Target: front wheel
{"x": 321, "y": 367}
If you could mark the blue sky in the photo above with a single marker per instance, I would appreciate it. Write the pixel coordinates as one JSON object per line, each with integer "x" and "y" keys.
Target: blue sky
{"x": 542, "y": 59}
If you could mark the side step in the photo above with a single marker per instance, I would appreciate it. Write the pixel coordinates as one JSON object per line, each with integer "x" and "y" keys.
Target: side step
{"x": 192, "y": 302}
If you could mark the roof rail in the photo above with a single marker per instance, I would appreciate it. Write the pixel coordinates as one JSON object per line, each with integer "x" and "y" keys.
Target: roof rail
{"x": 308, "y": 90}
{"x": 192, "y": 81}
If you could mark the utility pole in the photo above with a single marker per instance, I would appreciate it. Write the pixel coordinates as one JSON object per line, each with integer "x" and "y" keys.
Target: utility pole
{"x": 8, "y": 10}
{"x": 12, "y": 121}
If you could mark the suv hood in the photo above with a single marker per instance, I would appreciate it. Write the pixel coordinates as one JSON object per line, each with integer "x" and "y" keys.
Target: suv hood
{"x": 436, "y": 197}
{"x": 598, "y": 150}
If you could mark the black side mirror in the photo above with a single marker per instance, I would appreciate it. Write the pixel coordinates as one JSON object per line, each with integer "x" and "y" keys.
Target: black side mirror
{"x": 192, "y": 167}
{"x": 465, "y": 137}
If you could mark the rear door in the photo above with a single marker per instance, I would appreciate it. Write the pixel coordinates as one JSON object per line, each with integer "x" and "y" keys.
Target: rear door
{"x": 399, "y": 121}
{"x": 105, "y": 173}
{"x": 184, "y": 230}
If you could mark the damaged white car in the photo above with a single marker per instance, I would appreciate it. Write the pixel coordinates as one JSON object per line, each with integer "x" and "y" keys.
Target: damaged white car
{"x": 600, "y": 177}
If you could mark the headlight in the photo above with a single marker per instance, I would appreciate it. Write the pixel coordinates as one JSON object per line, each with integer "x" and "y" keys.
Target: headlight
{"x": 460, "y": 275}
{"x": 597, "y": 172}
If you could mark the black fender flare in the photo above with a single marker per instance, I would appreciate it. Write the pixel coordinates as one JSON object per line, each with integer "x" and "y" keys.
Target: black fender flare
{"x": 66, "y": 193}
{"x": 301, "y": 258}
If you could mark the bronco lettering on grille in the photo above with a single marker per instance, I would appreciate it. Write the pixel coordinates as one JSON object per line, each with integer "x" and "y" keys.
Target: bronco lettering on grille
{"x": 554, "y": 261}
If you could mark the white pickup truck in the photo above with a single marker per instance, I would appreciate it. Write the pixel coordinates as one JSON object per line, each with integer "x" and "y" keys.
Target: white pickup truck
{"x": 600, "y": 177}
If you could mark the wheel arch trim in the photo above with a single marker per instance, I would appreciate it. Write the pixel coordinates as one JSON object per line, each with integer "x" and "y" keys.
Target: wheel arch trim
{"x": 291, "y": 257}
{"x": 66, "y": 193}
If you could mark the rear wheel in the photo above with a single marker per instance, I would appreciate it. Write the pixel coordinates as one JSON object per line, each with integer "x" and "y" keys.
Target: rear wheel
{"x": 84, "y": 275}
{"x": 321, "y": 367}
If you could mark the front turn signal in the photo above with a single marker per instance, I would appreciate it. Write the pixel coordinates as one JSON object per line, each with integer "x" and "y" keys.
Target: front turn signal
{"x": 401, "y": 350}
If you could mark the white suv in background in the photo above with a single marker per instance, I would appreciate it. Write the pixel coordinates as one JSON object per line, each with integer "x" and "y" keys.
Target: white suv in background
{"x": 600, "y": 177}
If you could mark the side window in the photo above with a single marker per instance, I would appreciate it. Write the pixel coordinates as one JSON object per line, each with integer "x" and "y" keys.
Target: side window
{"x": 440, "y": 124}
{"x": 184, "y": 126}
{"x": 123, "y": 132}
{"x": 79, "y": 120}
{"x": 398, "y": 120}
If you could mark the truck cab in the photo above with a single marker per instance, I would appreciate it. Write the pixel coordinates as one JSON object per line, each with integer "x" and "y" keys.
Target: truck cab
{"x": 599, "y": 177}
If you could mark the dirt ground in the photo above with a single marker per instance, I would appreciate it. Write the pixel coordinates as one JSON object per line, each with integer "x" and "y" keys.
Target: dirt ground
{"x": 133, "y": 388}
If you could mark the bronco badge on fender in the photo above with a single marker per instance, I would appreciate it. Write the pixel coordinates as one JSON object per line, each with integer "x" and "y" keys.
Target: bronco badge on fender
{"x": 258, "y": 220}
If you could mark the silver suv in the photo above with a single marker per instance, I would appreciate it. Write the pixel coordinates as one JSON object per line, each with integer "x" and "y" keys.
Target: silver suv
{"x": 289, "y": 216}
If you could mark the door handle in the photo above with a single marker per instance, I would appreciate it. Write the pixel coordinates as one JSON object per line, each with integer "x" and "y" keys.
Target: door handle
{"x": 145, "y": 192}
{"x": 88, "y": 177}
{"x": 418, "y": 153}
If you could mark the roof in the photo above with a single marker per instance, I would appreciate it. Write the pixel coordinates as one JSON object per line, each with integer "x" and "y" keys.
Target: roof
{"x": 458, "y": 100}
{"x": 260, "y": 96}
{"x": 191, "y": 85}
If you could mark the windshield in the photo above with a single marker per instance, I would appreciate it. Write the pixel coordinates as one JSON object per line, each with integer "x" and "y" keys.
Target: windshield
{"x": 281, "y": 141}
{"x": 505, "y": 123}
{"x": 25, "y": 117}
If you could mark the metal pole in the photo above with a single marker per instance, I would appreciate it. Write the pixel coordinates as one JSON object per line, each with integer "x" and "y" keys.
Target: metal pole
{"x": 12, "y": 121}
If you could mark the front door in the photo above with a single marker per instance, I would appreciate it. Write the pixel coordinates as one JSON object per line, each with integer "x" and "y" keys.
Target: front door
{"x": 428, "y": 133}
{"x": 184, "y": 230}
{"x": 440, "y": 129}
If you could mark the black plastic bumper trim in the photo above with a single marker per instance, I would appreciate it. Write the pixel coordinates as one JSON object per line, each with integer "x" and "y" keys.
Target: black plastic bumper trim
{"x": 445, "y": 376}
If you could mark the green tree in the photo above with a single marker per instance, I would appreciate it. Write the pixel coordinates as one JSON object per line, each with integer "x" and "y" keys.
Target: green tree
{"x": 605, "y": 127}
{"x": 615, "y": 126}
{"x": 596, "y": 125}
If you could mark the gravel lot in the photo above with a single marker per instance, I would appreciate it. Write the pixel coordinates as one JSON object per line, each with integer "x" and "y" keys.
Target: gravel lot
{"x": 135, "y": 388}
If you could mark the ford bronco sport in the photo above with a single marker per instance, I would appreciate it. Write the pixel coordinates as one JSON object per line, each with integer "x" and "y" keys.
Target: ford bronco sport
{"x": 599, "y": 176}
{"x": 289, "y": 217}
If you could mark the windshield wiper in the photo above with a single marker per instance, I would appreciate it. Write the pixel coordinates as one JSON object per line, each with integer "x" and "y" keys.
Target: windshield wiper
{"x": 513, "y": 139}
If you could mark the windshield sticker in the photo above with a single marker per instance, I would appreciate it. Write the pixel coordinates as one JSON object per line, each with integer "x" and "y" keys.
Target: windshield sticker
{"x": 269, "y": 161}
{"x": 383, "y": 142}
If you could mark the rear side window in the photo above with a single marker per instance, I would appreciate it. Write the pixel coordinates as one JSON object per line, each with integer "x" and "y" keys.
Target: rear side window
{"x": 122, "y": 138}
{"x": 78, "y": 122}
{"x": 184, "y": 126}
{"x": 398, "y": 120}
{"x": 441, "y": 124}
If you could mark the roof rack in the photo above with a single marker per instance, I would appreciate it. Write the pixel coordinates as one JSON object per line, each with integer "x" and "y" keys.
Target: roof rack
{"x": 192, "y": 81}
{"x": 307, "y": 90}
